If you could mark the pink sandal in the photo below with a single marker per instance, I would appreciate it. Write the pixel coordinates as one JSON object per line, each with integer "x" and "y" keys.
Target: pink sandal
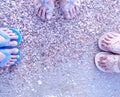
{"x": 110, "y": 62}
{"x": 110, "y": 42}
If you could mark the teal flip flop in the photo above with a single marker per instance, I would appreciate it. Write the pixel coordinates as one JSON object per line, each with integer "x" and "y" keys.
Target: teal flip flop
{"x": 3, "y": 44}
{"x": 18, "y": 34}
{"x": 7, "y": 57}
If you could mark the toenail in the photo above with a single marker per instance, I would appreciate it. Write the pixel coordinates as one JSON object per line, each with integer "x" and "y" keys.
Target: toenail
{"x": 14, "y": 43}
{"x": 48, "y": 17}
{"x": 15, "y": 50}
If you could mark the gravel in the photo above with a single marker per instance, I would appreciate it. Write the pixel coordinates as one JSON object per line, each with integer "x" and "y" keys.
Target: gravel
{"x": 58, "y": 55}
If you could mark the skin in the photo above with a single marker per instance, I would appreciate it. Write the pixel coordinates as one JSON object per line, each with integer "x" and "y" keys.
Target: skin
{"x": 104, "y": 58}
{"x": 11, "y": 43}
{"x": 12, "y": 59}
{"x": 103, "y": 63}
{"x": 72, "y": 9}
{"x": 11, "y": 35}
{"x": 42, "y": 10}
{"x": 107, "y": 41}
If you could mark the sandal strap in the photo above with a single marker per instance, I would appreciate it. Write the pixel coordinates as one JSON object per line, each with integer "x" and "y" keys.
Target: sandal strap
{"x": 115, "y": 46}
{"x": 44, "y": 2}
{"x": 113, "y": 60}
{"x": 7, "y": 57}
{"x": 7, "y": 39}
{"x": 70, "y": 2}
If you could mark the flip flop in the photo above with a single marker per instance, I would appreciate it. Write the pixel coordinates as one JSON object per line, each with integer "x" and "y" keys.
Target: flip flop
{"x": 8, "y": 39}
{"x": 114, "y": 44}
{"x": 66, "y": 7}
{"x": 49, "y": 9}
{"x": 112, "y": 61}
{"x": 8, "y": 55}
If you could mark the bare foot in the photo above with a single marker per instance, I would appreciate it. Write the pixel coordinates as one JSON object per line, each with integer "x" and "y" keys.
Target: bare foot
{"x": 108, "y": 62}
{"x": 12, "y": 59}
{"x": 44, "y": 8}
{"x": 110, "y": 42}
{"x": 70, "y": 8}
{"x": 10, "y": 34}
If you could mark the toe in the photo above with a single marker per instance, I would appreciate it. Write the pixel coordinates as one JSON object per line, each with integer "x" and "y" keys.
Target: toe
{"x": 67, "y": 15}
{"x": 43, "y": 10}
{"x": 110, "y": 36}
{"x": 101, "y": 62}
{"x": 10, "y": 63}
{"x": 11, "y": 34}
{"x": 71, "y": 12}
{"x": 105, "y": 46}
{"x": 12, "y": 43}
{"x": 14, "y": 37}
{"x": 105, "y": 42}
{"x": 107, "y": 39}
{"x": 76, "y": 9}
{"x": 13, "y": 60}
{"x": 48, "y": 15}
{"x": 15, "y": 56}
{"x": 13, "y": 51}
{"x": 39, "y": 12}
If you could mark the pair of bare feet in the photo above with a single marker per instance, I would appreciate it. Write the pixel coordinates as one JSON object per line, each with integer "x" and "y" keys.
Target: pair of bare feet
{"x": 9, "y": 54}
{"x": 69, "y": 8}
{"x": 109, "y": 61}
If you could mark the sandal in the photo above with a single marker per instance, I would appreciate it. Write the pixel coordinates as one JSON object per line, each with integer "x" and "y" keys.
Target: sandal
{"x": 8, "y": 56}
{"x": 68, "y": 4}
{"x": 49, "y": 9}
{"x": 3, "y": 44}
{"x": 110, "y": 42}
{"x": 109, "y": 62}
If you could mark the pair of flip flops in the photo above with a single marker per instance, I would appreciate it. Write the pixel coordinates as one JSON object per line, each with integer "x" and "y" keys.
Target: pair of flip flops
{"x": 3, "y": 46}
{"x": 110, "y": 44}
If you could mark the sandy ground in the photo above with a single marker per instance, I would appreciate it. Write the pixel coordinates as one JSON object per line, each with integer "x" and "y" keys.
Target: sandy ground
{"x": 58, "y": 55}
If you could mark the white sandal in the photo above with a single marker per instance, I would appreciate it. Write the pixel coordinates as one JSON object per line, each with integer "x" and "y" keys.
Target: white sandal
{"x": 69, "y": 2}
{"x": 49, "y": 9}
{"x": 112, "y": 60}
{"x": 114, "y": 45}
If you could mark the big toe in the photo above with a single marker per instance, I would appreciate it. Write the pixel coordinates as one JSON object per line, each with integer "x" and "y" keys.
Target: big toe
{"x": 67, "y": 15}
{"x": 12, "y": 43}
{"x": 13, "y": 50}
{"x": 48, "y": 16}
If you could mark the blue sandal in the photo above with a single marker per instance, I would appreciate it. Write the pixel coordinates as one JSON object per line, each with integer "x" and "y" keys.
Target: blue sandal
{"x": 8, "y": 55}
{"x": 3, "y": 44}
